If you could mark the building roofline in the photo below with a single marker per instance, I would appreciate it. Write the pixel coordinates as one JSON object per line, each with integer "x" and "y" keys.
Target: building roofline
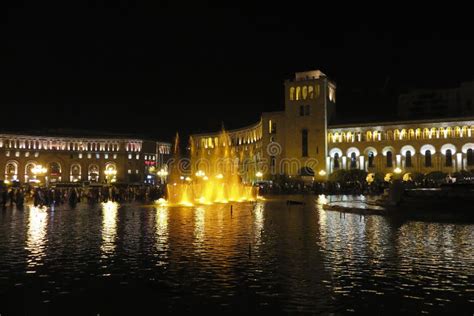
{"x": 405, "y": 122}
{"x": 77, "y": 134}
{"x": 230, "y": 131}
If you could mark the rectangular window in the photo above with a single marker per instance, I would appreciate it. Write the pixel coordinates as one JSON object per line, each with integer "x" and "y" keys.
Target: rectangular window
{"x": 136, "y": 171}
{"x": 306, "y": 110}
{"x": 304, "y": 142}
{"x": 146, "y": 157}
{"x": 129, "y": 156}
{"x": 97, "y": 156}
{"x": 106, "y": 156}
{"x": 80, "y": 156}
{"x": 129, "y": 171}
{"x": 115, "y": 156}
{"x": 301, "y": 110}
{"x": 138, "y": 157}
{"x": 272, "y": 127}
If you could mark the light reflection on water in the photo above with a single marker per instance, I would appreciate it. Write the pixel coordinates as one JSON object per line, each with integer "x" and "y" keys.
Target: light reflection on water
{"x": 263, "y": 256}
{"x": 109, "y": 227}
{"x": 36, "y": 240}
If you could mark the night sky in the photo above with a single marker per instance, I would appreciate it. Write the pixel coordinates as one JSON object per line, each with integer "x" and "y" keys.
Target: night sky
{"x": 160, "y": 67}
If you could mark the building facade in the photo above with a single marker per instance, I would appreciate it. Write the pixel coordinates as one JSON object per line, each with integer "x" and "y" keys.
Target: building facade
{"x": 54, "y": 159}
{"x": 301, "y": 141}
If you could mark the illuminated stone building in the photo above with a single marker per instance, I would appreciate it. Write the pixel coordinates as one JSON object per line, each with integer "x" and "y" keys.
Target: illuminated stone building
{"x": 302, "y": 141}
{"x": 54, "y": 159}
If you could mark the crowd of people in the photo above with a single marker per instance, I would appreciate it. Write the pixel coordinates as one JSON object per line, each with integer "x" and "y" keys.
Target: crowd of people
{"x": 43, "y": 196}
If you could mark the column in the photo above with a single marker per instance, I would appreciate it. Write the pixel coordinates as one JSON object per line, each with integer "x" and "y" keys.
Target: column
{"x": 328, "y": 165}
{"x": 399, "y": 161}
{"x": 459, "y": 165}
{"x": 362, "y": 162}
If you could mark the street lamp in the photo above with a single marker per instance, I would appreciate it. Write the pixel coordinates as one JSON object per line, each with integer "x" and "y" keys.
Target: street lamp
{"x": 110, "y": 173}
{"x": 200, "y": 174}
{"x": 162, "y": 174}
{"x": 38, "y": 170}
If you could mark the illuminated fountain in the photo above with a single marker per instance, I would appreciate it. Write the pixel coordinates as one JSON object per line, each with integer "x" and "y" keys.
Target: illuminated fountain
{"x": 214, "y": 176}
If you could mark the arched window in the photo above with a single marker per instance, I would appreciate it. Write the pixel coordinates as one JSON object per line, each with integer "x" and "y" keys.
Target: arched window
{"x": 305, "y": 92}
{"x": 426, "y": 134}
{"x": 29, "y": 174}
{"x": 311, "y": 92}
{"x": 428, "y": 158}
{"x": 389, "y": 159}
{"x": 408, "y": 159}
{"x": 371, "y": 159}
{"x": 75, "y": 174}
{"x": 403, "y": 134}
{"x": 54, "y": 169}
{"x": 470, "y": 157}
{"x": 329, "y": 137}
{"x": 449, "y": 158}
{"x": 336, "y": 160}
{"x": 368, "y": 136}
{"x": 93, "y": 173}
{"x": 298, "y": 93}
{"x": 11, "y": 170}
{"x": 449, "y": 132}
{"x": 396, "y": 134}
{"x": 353, "y": 161}
{"x": 317, "y": 91}
{"x": 292, "y": 93}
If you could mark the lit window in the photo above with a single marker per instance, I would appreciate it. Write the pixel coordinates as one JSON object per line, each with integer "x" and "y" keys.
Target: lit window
{"x": 97, "y": 156}
{"x": 129, "y": 156}
{"x": 7, "y": 153}
{"x": 138, "y": 157}
{"x": 136, "y": 171}
{"x": 37, "y": 154}
{"x": 153, "y": 158}
{"x": 146, "y": 157}
{"x": 129, "y": 171}
{"x": 115, "y": 156}
{"x": 27, "y": 154}
{"x": 80, "y": 156}
{"x": 106, "y": 156}
{"x": 89, "y": 156}
{"x": 17, "y": 154}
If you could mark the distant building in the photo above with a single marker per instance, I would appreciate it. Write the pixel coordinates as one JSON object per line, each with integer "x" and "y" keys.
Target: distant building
{"x": 52, "y": 159}
{"x": 300, "y": 142}
{"x": 437, "y": 103}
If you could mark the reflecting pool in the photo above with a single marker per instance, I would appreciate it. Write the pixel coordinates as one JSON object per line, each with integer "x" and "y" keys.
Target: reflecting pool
{"x": 262, "y": 256}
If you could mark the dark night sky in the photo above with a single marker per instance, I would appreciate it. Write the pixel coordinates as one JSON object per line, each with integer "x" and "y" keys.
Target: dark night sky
{"x": 160, "y": 67}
